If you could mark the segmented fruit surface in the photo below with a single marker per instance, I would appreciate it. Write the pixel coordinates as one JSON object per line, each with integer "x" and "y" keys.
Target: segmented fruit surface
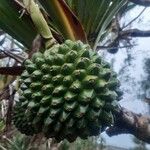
{"x": 66, "y": 92}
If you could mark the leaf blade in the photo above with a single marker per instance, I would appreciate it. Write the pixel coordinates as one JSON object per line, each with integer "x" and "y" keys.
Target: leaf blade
{"x": 65, "y": 20}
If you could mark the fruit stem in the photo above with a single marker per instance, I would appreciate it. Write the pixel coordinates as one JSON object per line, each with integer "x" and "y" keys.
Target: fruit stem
{"x": 40, "y": 22}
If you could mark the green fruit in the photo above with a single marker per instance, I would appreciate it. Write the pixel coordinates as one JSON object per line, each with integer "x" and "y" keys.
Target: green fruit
{"x": 65, "y": 93}
{"x": 21, "y": 121}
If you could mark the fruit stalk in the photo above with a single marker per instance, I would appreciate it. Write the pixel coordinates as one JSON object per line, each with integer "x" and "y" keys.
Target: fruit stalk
{"x": 40, "y": 22}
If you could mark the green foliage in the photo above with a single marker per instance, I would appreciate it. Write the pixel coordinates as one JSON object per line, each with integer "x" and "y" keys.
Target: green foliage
{"x": 2, "y": 125}
{"x": 96, "y": 16}
{"x": 18, "y": 142}
{"x": 2, "y": 122}
{"x": 20, "y": 28}
{"x": 91, "y": 143}
{"x": 64, "y": 20}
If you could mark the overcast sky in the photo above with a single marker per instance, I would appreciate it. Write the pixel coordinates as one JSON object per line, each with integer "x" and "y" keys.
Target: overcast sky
{"x": 139, "y": 52}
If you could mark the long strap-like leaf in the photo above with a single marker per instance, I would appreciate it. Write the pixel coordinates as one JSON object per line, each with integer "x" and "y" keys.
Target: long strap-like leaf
{"x": 20, "y": 28}
{"x": 95, "y": 15}
{"x": 64, "y": 19}
{"x": 113, "y": 10}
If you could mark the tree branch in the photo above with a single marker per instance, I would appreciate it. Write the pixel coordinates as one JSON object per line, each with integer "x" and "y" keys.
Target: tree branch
{"x": 145, "y": 3}
{"x": 127, "y": 122}
{"x": 134, "y": 33}
{"x": 110, "y": 47}
{"x": 14, "y": 71}
{"x": 134, "y": 18}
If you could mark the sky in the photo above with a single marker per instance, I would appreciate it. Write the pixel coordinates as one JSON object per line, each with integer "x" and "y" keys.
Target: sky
{"x": 139, "y": 52}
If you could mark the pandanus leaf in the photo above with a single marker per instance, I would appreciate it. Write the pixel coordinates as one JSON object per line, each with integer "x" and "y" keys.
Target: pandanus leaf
{"x": 95, "y": 16}
{"x": 64, "y": 19}
{"x": 19, "y": 27}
